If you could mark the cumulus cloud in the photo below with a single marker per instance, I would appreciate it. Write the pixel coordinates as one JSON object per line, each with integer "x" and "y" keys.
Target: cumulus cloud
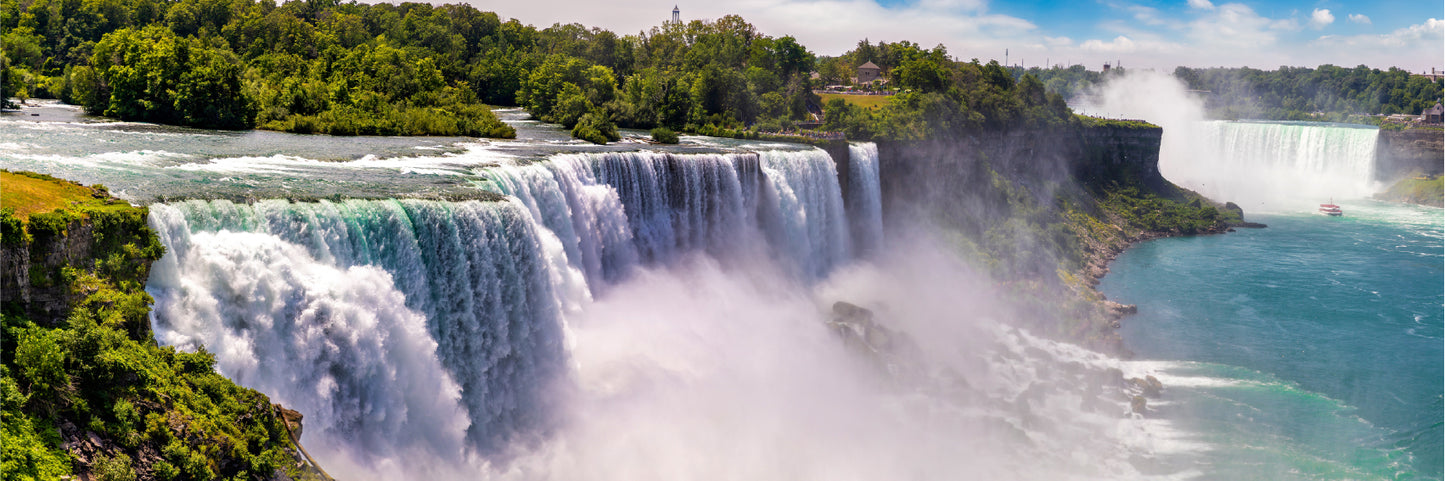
{"x": 1432, "y": 32}
{"x": 1201, "y": 4}
{"x": 1120, "y": 44}
{"x": 1234, "y": 25}
{"x": 1359, "y": 18}
{"x": 1320, "y": 18}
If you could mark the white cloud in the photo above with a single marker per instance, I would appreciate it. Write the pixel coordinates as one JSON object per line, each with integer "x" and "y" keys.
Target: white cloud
{"x": 1432, "y": 32}
{"x": 1201, "y": 4}
{"x": 1120, "y": 44}
{"x": 1359, "y": 18}
{"x": 1234, "y": 26}
{"x": 1320, "y": 18}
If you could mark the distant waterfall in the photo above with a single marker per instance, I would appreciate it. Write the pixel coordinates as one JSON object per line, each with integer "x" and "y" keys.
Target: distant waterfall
{"x": 867, "y": 200}
{"x": 1284, "y": 165}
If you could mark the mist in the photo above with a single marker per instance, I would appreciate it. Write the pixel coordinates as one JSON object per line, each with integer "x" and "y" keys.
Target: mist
{"x": 1262, "y": 166}
{"x": 713, "y": 371}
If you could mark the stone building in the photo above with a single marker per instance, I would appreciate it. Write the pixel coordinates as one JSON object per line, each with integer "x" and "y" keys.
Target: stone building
{"x": 868, "y": 72}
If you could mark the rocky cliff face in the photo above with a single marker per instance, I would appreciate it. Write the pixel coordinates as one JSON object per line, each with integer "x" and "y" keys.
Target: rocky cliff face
{"x": 1044, "y": 211}
{"x": 1404, "y": 152}
{"x": 1038, "y": 163}
{"x": 31, "y": 275}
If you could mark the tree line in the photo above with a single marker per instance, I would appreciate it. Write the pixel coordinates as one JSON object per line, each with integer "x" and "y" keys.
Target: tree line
{"x": 1302, "y": 93}
{"x": 415, "y": 69}
{"x": 1327, "y": 92}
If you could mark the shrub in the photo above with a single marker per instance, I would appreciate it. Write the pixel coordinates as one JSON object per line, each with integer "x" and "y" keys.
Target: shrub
{"x": 664, "y": 135}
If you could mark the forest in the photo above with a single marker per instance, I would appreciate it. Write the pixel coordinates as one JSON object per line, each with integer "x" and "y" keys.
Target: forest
{"x": 320, "y": 66}
{"x": 1301, "y": 93}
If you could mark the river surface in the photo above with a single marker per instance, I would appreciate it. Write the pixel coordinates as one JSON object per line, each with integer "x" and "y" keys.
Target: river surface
{"x": 1310, "y": 349}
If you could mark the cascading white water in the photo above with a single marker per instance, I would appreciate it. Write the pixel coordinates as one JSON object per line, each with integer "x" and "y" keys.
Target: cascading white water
{"x": 613, "y": 211}
{"x": 288, "y": 292}
{"x": 1259, "y": 165}
{"x": 456, "y": 340}
{"x": 867, "y": 199}
{"x": 1274, "y": 165}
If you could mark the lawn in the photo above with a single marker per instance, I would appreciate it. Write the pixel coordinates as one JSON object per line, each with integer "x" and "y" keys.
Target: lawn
{"x": 865, "y": 101}
{"x": 28, "y": 193}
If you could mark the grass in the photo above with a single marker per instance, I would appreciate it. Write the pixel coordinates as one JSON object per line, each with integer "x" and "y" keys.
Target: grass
{"x": 866, "y": 101}
{"x": 1423, "y": 190}
{"x": 29, "y": 193}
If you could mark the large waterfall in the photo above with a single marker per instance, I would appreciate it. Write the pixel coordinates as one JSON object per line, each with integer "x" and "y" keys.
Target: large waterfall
{"x": 633, "y": 315}
{"x": 1277, "y": 165}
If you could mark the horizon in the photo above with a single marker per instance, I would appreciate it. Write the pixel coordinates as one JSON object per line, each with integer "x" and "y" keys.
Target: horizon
{"x": 1151, "y": 34}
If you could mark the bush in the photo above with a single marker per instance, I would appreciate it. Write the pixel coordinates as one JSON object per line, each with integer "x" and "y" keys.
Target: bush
{"x": 664, "y": 135}
{"x": 596, "y": 127}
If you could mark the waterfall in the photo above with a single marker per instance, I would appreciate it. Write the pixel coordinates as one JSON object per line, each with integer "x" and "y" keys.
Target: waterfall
{"x": 1275, "y": 165}
{"x": 376, "y": 318}
{"x": 400, "y": 325}
{"x": 867, "y": 201}
{"x": 616, "y": 211}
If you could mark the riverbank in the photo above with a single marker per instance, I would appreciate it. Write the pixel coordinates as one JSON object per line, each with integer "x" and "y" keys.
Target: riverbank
{"x": 1426, "y": 190}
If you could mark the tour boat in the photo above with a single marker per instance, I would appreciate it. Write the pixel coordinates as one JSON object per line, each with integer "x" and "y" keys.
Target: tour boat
{"x": 1331, "y": 209}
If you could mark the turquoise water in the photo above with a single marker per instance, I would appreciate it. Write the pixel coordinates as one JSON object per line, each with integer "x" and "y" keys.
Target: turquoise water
{"x": 1311, "y": 349}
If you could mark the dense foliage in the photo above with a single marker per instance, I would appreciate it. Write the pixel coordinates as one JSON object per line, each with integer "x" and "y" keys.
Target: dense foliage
{"x": 158, "y": 412}
{"x": 1299, "y": 93}
{"x": 353, "y": 68}
{"x": 940, "y": 97}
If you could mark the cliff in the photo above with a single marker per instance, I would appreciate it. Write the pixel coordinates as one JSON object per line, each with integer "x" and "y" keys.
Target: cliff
{"x": 1401, "y": 153}
{"x": 86, "y": 390}
{"x": 1044, "y": 211}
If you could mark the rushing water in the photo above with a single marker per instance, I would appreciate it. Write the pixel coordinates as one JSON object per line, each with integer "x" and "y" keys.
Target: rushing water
{"x": 1307, "y": 350}
{"x": 1272, "y": 165}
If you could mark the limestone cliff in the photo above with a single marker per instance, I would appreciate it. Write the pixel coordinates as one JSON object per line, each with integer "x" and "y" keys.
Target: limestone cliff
{"x": 1044, "y": 211}
{"x": 1401, "y": 153}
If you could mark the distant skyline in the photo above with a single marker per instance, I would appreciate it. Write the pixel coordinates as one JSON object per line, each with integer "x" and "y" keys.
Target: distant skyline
{"x": 1141, "y": 33}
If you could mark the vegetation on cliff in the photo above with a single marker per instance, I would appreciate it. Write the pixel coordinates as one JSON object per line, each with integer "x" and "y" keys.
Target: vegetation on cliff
{"x": 1420, "y": 189}
{"x": 90, "y": 392}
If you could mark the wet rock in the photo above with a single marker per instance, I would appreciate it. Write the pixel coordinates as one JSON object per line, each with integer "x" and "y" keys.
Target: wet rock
{"x": 292, "y": 419}
{"x": 1138, "y": 404}
{"x": 1149, "y": 386}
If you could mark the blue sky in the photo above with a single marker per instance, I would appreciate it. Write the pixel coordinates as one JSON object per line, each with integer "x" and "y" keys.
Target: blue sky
{"x": 1139, "y": 33}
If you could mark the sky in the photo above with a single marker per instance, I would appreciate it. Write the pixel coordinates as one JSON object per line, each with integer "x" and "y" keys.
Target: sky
{"x": 1160, "y": 34}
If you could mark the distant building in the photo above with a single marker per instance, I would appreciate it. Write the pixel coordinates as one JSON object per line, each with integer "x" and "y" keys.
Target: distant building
{"x": 1106, "y": 67}
{"x": 676, "y": 15}
{"x": 1434, "y": 74}
{"x": 869, "y": 72}
{"x": 1433, "y": 115}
